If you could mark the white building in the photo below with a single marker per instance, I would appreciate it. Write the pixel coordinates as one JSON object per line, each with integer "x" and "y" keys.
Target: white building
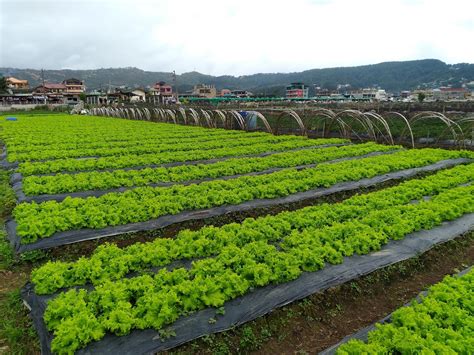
{"x": 381, "y": 95}
{"x": 137, "y": 95}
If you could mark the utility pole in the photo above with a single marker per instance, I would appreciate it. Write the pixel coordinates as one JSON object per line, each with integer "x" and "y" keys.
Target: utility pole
{"x": 44, "y": 89}
{"x": 174, "y": 84}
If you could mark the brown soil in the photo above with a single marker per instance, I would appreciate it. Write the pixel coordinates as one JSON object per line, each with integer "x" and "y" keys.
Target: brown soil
{"x": 10, "y": 280}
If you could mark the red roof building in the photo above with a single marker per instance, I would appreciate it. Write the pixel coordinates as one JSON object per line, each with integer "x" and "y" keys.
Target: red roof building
{"x": 162, "y": 89}
{"x": 160, "y": 93}
{"x": 50, "y": 88}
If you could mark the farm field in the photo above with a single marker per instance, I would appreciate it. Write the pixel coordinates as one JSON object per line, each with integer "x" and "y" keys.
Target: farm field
{"x": 307, "y": 207}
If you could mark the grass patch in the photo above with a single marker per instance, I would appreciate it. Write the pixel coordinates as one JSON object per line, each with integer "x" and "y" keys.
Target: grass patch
{"x": 17, "y": 335}
{"x": 7, "y": 195}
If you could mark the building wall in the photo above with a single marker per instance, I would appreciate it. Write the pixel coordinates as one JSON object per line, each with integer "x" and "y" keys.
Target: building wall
{"x": 297, "y": 93}
{"x": 224, "y": 92}
{"x": 163, "y": 90}
{"x": 139, "y": 96}
{"x": 450, "y": 94}
{"x": 75, "y": 89}
{"x": 74, "y": 86}
{"x": 208, "y": 91}
{"x": 297, "y": 90}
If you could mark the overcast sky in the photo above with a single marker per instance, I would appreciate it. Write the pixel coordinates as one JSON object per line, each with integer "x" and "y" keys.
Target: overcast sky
{"x": 232, "y": 37}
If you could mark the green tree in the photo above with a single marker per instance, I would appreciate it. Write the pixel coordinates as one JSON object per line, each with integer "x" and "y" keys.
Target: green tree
{"x": 3, "y": 84}
{"x": 421, "y": 97}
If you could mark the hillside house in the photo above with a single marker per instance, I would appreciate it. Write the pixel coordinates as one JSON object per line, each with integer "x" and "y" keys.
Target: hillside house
{"x": 203, "y": 90}
{"x": 297, "y": 91}
{"x": 50, "y": 88}
{"x": 17, "y": 84}
{"x": 160, "y": 93}
{"x": 445, "y": 94}
{"x": 74, "y": 86}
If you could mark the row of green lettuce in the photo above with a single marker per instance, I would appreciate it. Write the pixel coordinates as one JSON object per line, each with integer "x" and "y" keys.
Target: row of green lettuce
{"x": 78, "y": 128}
{"x": 133, "y": 160}
{"x": 442, "y": 322}
{"x": 153, "y": 300}
{"x": 145, "y": 203}
{"x": 109, "y": 262}
{"x": 14, "y": 132}
{"x": 128, "y": 138}
{"x": 96, "y": 180}
{"x": 83, "y": 130}
{"x": 132, "y": 140}
{"x": 154, "y": 147}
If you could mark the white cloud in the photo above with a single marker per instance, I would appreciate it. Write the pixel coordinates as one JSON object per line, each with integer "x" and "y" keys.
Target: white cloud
{"x": 230, "y": 37}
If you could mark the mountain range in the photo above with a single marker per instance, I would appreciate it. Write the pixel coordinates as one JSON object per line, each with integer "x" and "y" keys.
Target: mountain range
{"x": 391, "y": 76}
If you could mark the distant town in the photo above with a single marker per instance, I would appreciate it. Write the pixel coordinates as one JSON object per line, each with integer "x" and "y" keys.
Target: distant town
{"x": 72, "y": 91}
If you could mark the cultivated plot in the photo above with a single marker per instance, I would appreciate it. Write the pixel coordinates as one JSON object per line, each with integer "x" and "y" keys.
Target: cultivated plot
{"x": 79, "y": 178}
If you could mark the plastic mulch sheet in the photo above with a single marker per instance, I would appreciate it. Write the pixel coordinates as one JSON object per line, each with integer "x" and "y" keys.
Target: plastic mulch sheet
{"x": 74, "y": 236}
{"x": 260, "y": 301}
{"x": 4, "y": 163}
{"x": 363, "y": 333}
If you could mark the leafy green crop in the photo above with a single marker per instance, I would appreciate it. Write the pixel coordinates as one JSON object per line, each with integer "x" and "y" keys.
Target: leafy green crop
{"x": 441, "y": 323}
{"x": 138, "y": 288}
{"x": 66, "y": 131}
{"x": 132, "y": 140}
{"x": 155, "y": 147}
